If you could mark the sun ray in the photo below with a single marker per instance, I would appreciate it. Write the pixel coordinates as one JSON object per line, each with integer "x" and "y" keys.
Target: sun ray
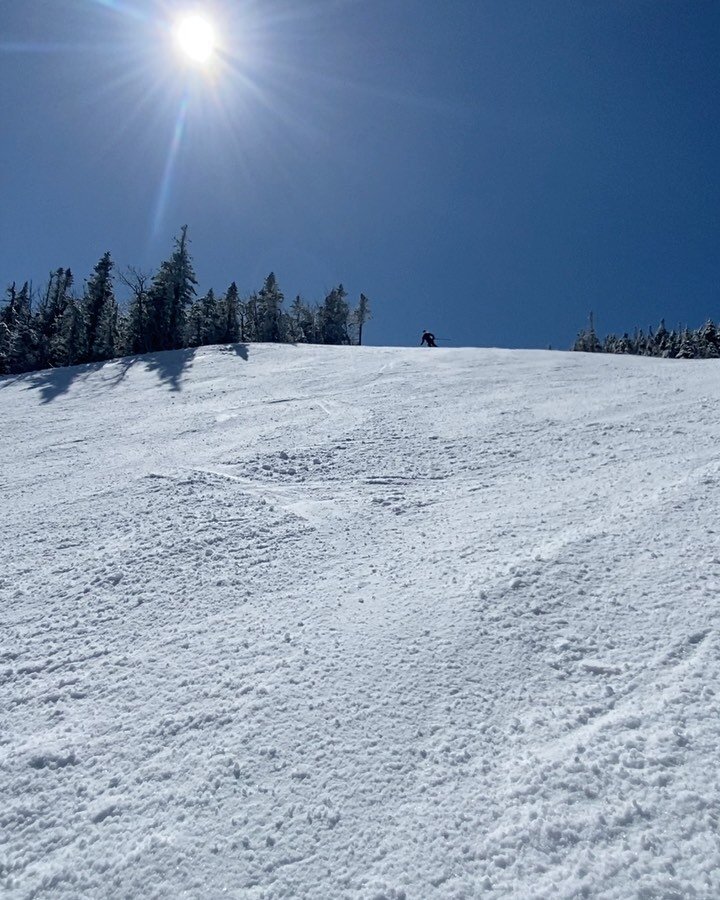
{"x": 170, "y": 163}
{"x": 124, "y": 8}
{"x": 55, "y": 47}
{"x": 134, "y": 121}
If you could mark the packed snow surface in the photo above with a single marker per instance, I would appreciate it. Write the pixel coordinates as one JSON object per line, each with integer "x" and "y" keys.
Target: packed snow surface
{"x": 314, "y": 622}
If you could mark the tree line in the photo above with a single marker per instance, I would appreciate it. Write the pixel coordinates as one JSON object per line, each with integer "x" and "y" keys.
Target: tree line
{"x": 59, "y": 326}
{"x": 679, "y": 343}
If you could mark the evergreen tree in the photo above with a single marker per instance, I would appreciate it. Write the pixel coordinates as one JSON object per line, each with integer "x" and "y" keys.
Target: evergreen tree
{"x": 206, "y": 321}
{"x": 24, "y": 346}
{"x": 229, "y": 315}
{"x": 100, "y": 312}
{"x": 640, "y": 342}
{"x": 250, "y": 322}
{"x": 587, "y": 340}
{"x": 270, "y": 317}
{"x": 301, "y": 322}
{"x": 609, "y": 344}
{"x": 625, "y": 344}
{"x": 5, "y": 345}
{"x": 49, "y": 317}
{"x": 688, "y": 348}
{"x": 580, "y": 342}
{"x": 108, "y": 340}
{"x": 69, "y": 341}
{"x": 661, "y": 340}
{"x": 707, "y": 341}
{"x": 172, "y": 291}
{"x": 194, "y": 333}
{"x": 592, "y": 344}
{"x": 8, "y": 316}
{"x": 361, "y": 315}
{"x": 210, "y": 319}
{"x": 136, "y": 325}
{"x": 334, "y": 317}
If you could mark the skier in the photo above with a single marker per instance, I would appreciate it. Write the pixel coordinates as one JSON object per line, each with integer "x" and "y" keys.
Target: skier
{"x": 428, "y": 338}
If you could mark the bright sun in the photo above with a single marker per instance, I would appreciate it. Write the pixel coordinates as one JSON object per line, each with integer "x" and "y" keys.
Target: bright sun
{"x": 195, "y": 36}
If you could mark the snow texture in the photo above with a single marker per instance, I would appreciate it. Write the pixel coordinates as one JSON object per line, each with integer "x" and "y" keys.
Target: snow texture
{"x": 314, "y": 622}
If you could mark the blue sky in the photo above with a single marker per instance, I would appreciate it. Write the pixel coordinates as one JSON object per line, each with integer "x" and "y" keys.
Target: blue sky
{"x": 489, "y": 169}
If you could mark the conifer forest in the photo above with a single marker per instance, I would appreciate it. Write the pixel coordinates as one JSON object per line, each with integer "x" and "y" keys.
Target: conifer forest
{"x": 60, "y": 325}
{"x": 677, "y": 343}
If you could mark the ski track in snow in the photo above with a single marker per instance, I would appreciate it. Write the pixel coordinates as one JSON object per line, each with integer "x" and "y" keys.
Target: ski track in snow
{"x": 361, "y": 623}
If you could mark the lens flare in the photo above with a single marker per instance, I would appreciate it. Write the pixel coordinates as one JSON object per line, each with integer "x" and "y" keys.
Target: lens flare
{"x": 167, "y": 178}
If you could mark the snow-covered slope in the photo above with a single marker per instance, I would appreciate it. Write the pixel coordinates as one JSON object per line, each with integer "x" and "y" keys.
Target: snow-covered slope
{"x": 311, "y": 622}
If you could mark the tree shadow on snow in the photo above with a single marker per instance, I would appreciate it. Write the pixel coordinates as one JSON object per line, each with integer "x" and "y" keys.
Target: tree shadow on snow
{"x": 7, "y": 380}
{"x": 240, "y": 350}
{"x": 170, "y": 365}
{"x": 118, "y": 369}
{"x": 52, "y": 383}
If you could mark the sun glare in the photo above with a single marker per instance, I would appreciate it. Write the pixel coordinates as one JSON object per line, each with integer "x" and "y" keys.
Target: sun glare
{"x": 195, "y": 37}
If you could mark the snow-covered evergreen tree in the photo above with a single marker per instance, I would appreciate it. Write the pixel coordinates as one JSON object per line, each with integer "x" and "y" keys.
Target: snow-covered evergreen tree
{"x": 707, "y": 340}
{"x": 688, "y": 347}
{"x": 250, "y": 319}
{"x": 194, "y": 326}
{"x": 8, "y": 315}
{"x": 587, "y": 340}
{"x": 661, "y": 340}
{"x": 361, "y": 315}
{"x": 271, "y": 319}
{"x": 108, "y": 337}
{"x": 100, "y": 312}
{"x": 301, "y": 322}
{"x": 69, "y": 342}
{"x": 333, "y": 316}
{"x": 229, "y": 316}
{"x": 136, "y": 324}
{"x": 172, "y": 291}
{"x": 49, "y": 317}
{"x": 212, "y": 316}
{"x": 23, "y": 355}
